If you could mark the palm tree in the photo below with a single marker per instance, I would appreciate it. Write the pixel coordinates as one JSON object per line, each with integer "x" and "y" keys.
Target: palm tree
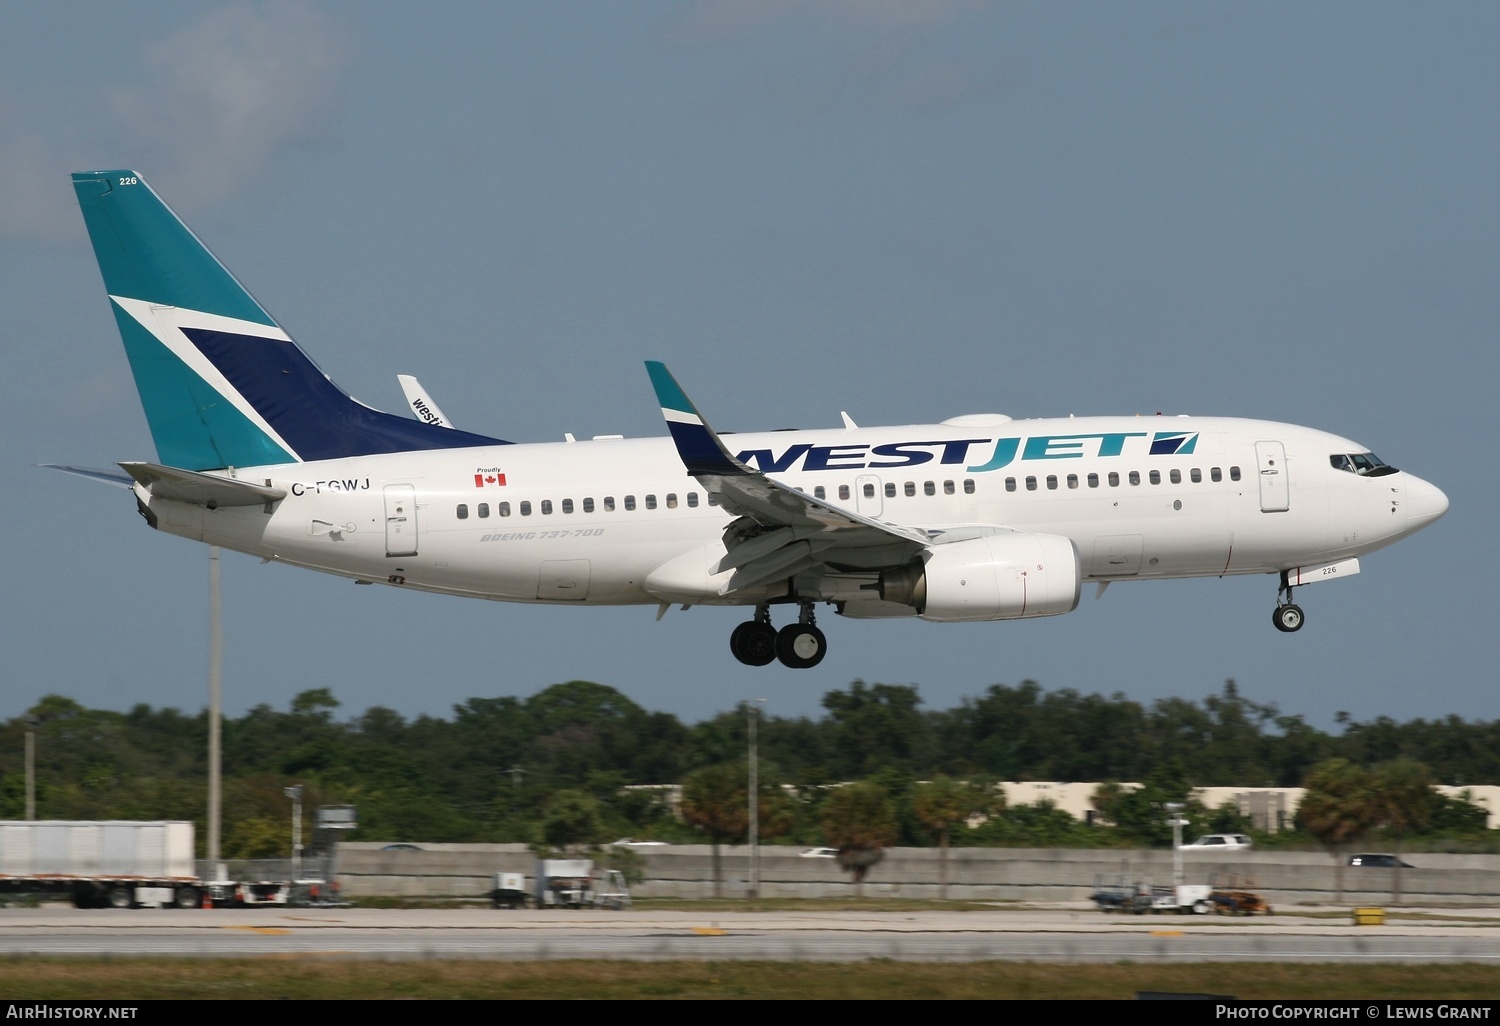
{"x": 941, "y": 803}
{"x": 860, "y": 821}
{"x": 1403, "y": 798}
{"x": 1338, "y": 808}
{"x": 715, "y": 799}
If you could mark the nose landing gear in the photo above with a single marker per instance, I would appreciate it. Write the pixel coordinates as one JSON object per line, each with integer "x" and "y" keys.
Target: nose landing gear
{"x": 1288, "y": 615}
{"x": 798, "y": 646}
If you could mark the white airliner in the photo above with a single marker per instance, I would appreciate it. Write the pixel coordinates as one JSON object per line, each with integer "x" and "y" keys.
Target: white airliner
{"x": 976, "y": 518}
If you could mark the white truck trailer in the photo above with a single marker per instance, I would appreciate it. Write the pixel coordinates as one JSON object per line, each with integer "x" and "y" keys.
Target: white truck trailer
{"x": 101, "y": 863}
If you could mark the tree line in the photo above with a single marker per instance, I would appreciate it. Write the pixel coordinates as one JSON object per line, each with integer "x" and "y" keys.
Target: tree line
{"x": 579, "y": 762}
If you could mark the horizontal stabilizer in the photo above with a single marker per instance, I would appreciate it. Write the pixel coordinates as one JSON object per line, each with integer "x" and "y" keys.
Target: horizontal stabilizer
{"x": 109, "y": 477}
{"x": 201, "y": 489}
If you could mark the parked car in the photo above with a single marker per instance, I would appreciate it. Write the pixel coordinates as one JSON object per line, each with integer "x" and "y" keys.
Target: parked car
{"x": 1219, "y": 842}
{"x": 635, "y": 842}
{"x": 819, "y": 853}
{"x": 1379, "y": 861}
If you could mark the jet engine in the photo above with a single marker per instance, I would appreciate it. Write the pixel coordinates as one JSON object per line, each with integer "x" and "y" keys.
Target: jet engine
{"x": 998, "y": 577}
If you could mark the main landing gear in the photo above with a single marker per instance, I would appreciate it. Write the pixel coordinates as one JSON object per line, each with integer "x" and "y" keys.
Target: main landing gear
{"x": 1288, "y": 615}
{"x": 798, "y": 645}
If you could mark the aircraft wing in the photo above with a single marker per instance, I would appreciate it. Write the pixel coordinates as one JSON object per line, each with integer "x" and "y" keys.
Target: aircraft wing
{"x": 780, "y": 529}
{"x": 201, "y": 489}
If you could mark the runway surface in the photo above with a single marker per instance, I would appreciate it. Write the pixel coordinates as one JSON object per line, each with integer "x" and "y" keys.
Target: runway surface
{"x": 1054, "y": 934}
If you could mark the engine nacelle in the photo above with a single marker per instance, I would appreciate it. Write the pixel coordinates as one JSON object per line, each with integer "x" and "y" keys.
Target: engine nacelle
{"x": 999, "y": 577}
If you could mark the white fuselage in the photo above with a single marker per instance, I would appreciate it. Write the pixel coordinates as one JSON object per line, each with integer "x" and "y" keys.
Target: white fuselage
{"x": 593, "y": 521}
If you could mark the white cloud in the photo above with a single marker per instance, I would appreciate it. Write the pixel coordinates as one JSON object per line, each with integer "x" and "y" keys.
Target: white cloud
{"x": 208, "y": 107}
{"x": 220, "y": 97}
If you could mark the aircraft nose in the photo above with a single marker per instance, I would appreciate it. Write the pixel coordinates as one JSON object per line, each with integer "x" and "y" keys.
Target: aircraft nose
{"x": 1424, "y": 503}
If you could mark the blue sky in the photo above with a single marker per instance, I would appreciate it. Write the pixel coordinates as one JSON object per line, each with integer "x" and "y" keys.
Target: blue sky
{"x": 906, "y": 210}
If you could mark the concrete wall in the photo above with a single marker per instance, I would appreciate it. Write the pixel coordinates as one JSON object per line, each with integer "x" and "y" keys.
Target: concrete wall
{"x": 1016, "y": 874}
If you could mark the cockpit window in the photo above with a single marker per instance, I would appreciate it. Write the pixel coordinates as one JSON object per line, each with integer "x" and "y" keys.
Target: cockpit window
{"x": 1365, "y": 464}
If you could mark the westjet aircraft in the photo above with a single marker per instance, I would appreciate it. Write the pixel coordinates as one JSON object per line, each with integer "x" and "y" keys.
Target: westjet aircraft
{"x": 976, "y": 518}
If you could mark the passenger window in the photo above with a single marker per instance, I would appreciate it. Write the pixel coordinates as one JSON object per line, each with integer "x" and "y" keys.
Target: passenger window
{"x": 869, "y": 491}
{"x": 1176, "y": 477}
{"x": 651, "y": 501}
{"x": 843, "y": 491}
{"x": 1215, "y": 474}
{"x": 588, "y": 505}
{"x": 693, "y": 499}
{"x": 609, "y": 504}
{"x": 1135, "y": 477}
{"x": 890, "y": 490}
{"x": 1010, "y": 484}
{"x": 948, "y": 488}
{"x": 503, "y": 509}
{"x": 968, "y": 486}
{"x": 1196, "y": 475}
{"x": 1052, "y": 482}
{"x": 1234, "y": 473}
{"x": 1114, "y": 479}
{"x": 525, "y": 507}
{"x": 928, "y": 488}
{"x": 817, "y": 493}
{"x": 567, "y": 505}
{"x": 546, "y": 507}
{"x": 1093, "y": 480}
{"x": 713, "y": 500}
{"x": 671, "y": 500}
{"x": 1031, "y": 484}
{"x": 463, "y": 511}
{"x": 1072, "y": 480}
{"x": 483, "y": 509}
{"x": 911, "y": 488}
{"x": 629, "y": 502}
{"x": 1156, "y": 477}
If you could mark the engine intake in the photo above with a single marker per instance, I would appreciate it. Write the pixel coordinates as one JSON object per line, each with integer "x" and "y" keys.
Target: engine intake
{"x": 1000, "y": 577}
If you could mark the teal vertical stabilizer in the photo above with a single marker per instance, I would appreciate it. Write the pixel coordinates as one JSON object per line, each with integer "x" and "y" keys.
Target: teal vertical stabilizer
{"x": 145, "y": 251}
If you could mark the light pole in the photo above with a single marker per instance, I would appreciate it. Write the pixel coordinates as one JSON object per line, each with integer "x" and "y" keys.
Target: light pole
{"x": 215, "y": 714}
{"x": 1177, "y": 822}
{"x": 752, "y": 714}
{"x": 295, "y": 794}
{"x": 32, "y": 720}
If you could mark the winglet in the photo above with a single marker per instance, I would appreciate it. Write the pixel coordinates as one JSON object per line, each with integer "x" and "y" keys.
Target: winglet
{"x": 421, "y": 403}
{"x": 697, "y": 445}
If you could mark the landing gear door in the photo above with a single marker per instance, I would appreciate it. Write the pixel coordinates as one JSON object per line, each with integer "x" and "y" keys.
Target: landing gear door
{"x": 1275, "y": 488}
{"x": 400, "y": 520}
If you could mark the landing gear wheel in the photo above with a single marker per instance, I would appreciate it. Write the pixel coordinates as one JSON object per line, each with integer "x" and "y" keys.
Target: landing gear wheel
{"x": 753, "y": 643}
{"x": 1288, "y": 618}
{"x": 801, "y": 646}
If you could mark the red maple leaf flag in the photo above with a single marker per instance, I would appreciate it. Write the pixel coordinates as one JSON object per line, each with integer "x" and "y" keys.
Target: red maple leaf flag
{"x": 491, "y": 477}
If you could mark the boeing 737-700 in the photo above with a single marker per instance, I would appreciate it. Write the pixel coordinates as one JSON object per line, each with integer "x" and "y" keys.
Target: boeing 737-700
{"x": 979, "y": 517}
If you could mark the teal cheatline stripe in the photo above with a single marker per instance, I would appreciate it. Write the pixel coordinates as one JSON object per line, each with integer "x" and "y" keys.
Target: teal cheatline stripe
{"x": 668, "y": 392}
{"x": 145, "y": 252}
{"x": 194, "y": 427}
